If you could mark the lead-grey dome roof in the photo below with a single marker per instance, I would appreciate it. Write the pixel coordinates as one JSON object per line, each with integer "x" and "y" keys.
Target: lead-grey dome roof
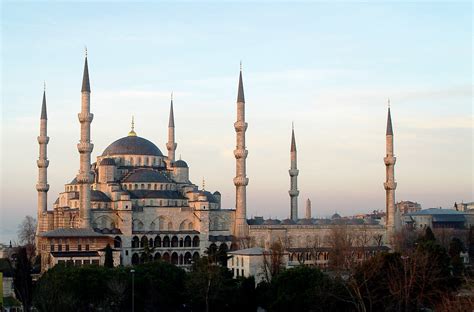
{"x": 146, "y": 175}
{"x": 180, "y": 164}
{"x": 132, "y": 145}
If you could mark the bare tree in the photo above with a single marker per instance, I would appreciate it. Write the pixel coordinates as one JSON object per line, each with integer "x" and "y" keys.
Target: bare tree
{"x": 340, "y": 241}
{"x": 26, "y": 236}
{"x": 273, "y": 260}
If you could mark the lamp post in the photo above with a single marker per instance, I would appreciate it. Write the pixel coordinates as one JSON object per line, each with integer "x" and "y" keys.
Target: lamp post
{"x": 133, "y": 289}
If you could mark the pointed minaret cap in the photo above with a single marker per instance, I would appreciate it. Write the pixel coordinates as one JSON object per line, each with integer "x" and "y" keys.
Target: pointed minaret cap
{"x": 132, "y": 132}
{"x": 389, "y": 121}
{"x": 44, "y": 115}
{"x": 293, "y": 141}
{"x": 171, "y": 121}
{"x": 85, "y": 78}
{"x": 240, "y": 95}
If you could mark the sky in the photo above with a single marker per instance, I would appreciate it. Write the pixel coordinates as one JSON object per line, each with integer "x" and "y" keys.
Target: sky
{"x": 329, "y": 67}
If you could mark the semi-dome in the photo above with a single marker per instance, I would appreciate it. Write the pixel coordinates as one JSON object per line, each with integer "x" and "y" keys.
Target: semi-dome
{"x": 132, "y": 145}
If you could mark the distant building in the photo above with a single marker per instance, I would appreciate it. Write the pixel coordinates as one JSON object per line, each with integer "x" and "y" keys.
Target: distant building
{"x": 464, "y": 207}
{"x": 436, "y": 218}
{"x": 408, "y": 206}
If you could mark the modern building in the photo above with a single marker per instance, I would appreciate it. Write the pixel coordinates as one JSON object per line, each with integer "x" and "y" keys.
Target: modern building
{"x": 436, "y": 218}
{"x": 407, "y": 206}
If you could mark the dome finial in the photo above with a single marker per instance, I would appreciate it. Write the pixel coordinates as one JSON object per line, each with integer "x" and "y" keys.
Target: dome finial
{"x": 132, "y": 132}
{"x": 203, "y": 184}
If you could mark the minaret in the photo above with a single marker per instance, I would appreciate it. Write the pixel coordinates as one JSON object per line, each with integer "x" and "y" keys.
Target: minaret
{"x": 293, "y": 179}
{"x": 42, "y": 187}
{"x": 390, "y": 185}
{"x": 84, "y": 177}
{"x": 171, "y": 145}
{"x": 308, "y": 209}
{"x": 240, "y": 181}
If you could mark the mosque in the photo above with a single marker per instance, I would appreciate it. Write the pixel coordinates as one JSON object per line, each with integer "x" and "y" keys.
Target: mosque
{"x": 142, "y": 203}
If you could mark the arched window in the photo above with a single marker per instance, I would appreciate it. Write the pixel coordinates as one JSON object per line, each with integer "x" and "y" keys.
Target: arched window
{"x": 174, "y": 241}
{"x": 157, "y": 256}
{"x": 166, "y": 257}
{"x": 157, "y": 241}
{"x": 125, "y": 186}
{"x": 155, "y": 186}
{"x": 187, "y": 258}
{"x": 117, "y": 242}
{"x": 196, "y": 241}
{"x": 174, "y": 258}
{"x": 195, "y": 256}
{"x": 149, "y": 186}
{"x": 150, "y": 242}
{"x": 181, "y": 242}
{"x": 144, "y": 242}
{"x": 166, "y": 241}
{"x": 131, "y": 161}
{"x": 135, "y": 259}
{"x": 136, "y": 186}
{"x": 187, "y": 241}
{"x": 135, "y": 242}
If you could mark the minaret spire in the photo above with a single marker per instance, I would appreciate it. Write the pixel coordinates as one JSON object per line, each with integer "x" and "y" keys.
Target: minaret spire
{"x": 85, "y": 147}
{"x": 171, "y": 145}
{"x": 240, "y": 181}
{"x": 390, "y": 185}
{"x": 293, "y": 178}
{"x": 42, "y": 186}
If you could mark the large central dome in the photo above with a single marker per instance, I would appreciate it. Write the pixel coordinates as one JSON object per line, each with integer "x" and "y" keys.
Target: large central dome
{"x": 132, "y": 145}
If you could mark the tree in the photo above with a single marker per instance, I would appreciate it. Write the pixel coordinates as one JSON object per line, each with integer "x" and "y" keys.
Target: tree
{"x": 109, "y": 259}
{"x": 22, "y": 278}
{"x": 26, "y": 236}
{"x": 273, "y": 260}
{"x": 429, "y": 235}
{"x": 455, "y": 248}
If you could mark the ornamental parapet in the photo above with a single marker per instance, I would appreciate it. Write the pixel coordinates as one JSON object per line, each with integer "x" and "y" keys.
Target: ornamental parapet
{"x": 85, "y": 147}
{"x": 42, "y": 187}
{"x": 293, "y": 192}
{"x": 240, "y": 153}
{"x": 240, "y": 126}
{"x": 390, "y": 160}
{"x": 390, "y": 185}
{"x": 171, "y": 146}
{"x": 84, "y": 178}
{"x": 293, "y": 172}
{"x": 43, "y": 139}
{"x": 42, "y": 163}
{"x": 85, "y": 117}
{"x": 241, "y": 181}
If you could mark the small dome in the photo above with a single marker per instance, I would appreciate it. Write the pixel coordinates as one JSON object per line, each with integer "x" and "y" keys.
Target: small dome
{"x": 336, "y": 216}
{"x": 271, "y": 222}
{"x": 180, "y": 164}
{"x": 107, "y": 162}
{"x": 305, "y": 221}
{"x": 132, "y": 145}
{"x": 216, "y": 193}
{"x": 288, "y": 222}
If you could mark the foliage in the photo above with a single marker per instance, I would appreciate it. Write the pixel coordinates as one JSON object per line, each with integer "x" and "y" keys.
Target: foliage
{"x": 22, "y": 278}
{"x": 27, "y": 231}
{"x": 303, "y": 289}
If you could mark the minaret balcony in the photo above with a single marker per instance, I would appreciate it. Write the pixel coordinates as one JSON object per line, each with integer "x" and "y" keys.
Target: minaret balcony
{"x": 84, "y": 147}
{"x": 42, "y": 187}
{"x": 43, "y": 139}
{"x": 240, "y": 126}
{"x": 390, "y": 185}
{"x": 84, "y": 177}
{"x": 293, "y": 172}
{"x": 240, "y": 153}
{"x": 42, "y": 163}
{"x": 390, "y": 160}
{"x": 85, "y": 117}
{"x": 171, "y": 146}
{"x": 293, "y": 192}
{"x": 241, "y": 181}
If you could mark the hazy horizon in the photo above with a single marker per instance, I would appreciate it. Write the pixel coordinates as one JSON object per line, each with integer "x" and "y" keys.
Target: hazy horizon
{"x": 328, "y": 67}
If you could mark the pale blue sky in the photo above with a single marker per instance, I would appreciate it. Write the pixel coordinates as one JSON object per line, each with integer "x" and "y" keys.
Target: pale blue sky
{"x": 328, "y": 66}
